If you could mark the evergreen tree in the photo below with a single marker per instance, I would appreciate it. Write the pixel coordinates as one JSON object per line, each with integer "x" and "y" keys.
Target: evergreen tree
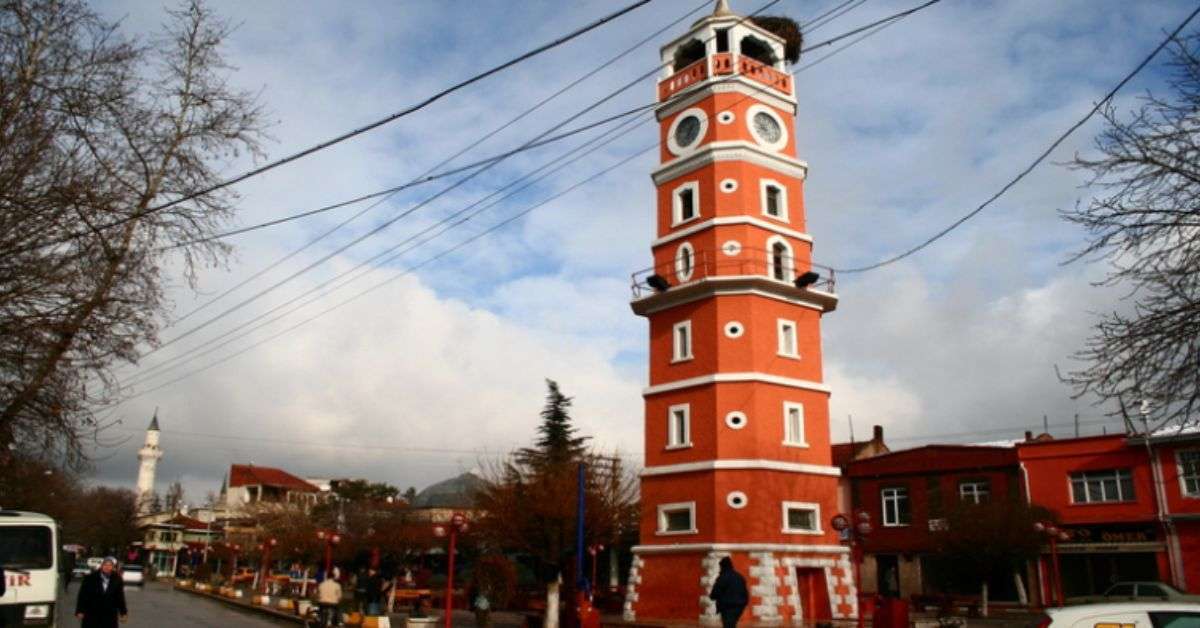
{"x": 557, "y": 443}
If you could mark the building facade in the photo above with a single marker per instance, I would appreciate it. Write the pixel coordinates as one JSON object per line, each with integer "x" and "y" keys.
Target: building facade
{"x": 737, "y": 445}
{"x": 250, "y": 485}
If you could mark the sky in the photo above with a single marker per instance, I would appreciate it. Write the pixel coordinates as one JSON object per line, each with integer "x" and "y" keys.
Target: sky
{"x": 442, "y": 369}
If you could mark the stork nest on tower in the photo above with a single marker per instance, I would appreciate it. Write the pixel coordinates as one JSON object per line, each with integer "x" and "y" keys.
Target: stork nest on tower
{"x": 784, "y": 27}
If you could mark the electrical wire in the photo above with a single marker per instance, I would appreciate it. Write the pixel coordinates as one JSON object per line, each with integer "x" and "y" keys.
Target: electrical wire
{"x": 1036, "y": 162}
{"x": 353, "y": 133}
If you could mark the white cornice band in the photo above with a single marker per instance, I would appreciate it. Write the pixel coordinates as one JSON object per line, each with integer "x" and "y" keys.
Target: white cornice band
{"x": 676, "y": 548}
{"x": 714, "y": 378}
{"x": 739, "y": 150}
{"x": 721, "y": 221}
{"x": 733, "y": 83}
{"x": 767, "y": 465}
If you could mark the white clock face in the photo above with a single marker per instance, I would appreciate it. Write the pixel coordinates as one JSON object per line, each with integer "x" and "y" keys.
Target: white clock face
{"x": 687, "y": 131}
{"x": 767, "y": 127}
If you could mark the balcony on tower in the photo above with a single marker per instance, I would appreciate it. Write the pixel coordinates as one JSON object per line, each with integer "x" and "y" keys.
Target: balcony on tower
{"x": 724, "y": 46}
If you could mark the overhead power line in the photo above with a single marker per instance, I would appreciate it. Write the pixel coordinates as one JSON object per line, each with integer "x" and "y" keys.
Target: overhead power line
{"x": 1036, "y": 162}
{"x": 164, "y": 366}
{"x": 350, "y": 134}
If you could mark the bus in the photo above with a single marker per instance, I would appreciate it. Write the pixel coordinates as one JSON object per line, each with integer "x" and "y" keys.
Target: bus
{"x": 30, "y": 561}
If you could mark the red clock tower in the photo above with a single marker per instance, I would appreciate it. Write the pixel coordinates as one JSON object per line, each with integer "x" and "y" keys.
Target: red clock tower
{"x": 737, "y": 419}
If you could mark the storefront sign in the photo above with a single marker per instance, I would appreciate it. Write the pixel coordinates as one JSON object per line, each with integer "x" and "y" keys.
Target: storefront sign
{"x": 1112, "y": 534}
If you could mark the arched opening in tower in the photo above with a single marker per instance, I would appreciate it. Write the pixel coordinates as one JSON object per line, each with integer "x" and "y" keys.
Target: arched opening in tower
{"x": 688, "y": 54}
{"x": 758, "y": 50}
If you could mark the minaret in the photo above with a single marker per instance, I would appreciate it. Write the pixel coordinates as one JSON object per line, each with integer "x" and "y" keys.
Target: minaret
{"x": 738, "y": 459}
{"x": 148, "y": 457}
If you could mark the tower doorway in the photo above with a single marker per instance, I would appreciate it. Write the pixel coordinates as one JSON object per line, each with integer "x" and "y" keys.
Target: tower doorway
{"x": 813, "y": 591}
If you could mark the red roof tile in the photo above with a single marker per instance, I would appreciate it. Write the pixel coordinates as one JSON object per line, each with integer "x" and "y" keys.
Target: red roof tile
{"x": 251, "y": 475}
{"x": 187, "y": 522}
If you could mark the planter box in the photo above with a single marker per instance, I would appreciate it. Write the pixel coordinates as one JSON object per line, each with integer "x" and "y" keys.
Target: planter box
{"x": 286, "y": 604}
{"x": 422, "y": 622}
{"x": 376, "y": 622}
{"x": 262, "y": 600}
{"x": 303, "y": 606}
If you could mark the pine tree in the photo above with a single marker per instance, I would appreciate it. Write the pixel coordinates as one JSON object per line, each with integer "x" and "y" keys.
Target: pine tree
{"x": 557, "y": 444}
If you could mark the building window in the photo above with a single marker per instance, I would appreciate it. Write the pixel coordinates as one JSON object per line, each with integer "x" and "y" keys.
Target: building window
{"x": 679, "y": 426}
{"x": 685, "y": 261}
{"x": 780, "y": 264}
{"x": 793, "y": 424}
{"x": 686, "y": 203}
{"x": 976, "y": 492}
{"x": 895, "y": 506}
{"x": 1189, "y": 472}
{"x": 682, "y": 342}
{"x": 787, "y": 338}
{"x": 678, "y": 518}
{"x": 801, "y": 518}
{"x": 774, "y": 199}
{"x": 1113, "y": 485}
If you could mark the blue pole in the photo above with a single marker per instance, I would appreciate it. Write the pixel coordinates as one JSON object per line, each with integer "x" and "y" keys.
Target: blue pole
{"x": 579, "y": 531}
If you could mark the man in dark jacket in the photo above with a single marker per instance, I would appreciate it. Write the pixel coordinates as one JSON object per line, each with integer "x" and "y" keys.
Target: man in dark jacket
{"x": 730, "y": 594}
{"x": 101, "y": 598}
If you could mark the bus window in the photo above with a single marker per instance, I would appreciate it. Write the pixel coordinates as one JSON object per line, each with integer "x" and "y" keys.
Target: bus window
{"x": 26, "y": 547}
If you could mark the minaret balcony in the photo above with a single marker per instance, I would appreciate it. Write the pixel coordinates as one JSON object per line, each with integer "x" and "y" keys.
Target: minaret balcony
{"x": 725, "y": 64}
{"x": 704, "y": 274}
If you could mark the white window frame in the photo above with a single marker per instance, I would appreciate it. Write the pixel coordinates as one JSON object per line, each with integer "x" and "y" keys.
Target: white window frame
{"x": 677, "y": 204}
{"x": 789, "y": 266}
{"x": 816, "y": 510}
{"x": 778, "y": 145}
{"x": 663, "y": 509}
{"x": 1183, "y": 487}
{"x": 691, "y": 269}
{"x": 763, "y": 184}
{"x": 783, "y": 348}
{"x": 896, "y": 493}
{"x": 789, "y": 439}
{"x": 675, "y": 440}
{"x": 970, "y": 491}
{"x": 1088, "y": 498}
{"x": 676, "y": 354}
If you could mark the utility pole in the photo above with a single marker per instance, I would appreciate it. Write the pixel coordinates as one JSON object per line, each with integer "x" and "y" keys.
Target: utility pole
{"x": 1076, "y": 425}
{"x": 850, "y": 418}
{"x": 1045, "y": 424}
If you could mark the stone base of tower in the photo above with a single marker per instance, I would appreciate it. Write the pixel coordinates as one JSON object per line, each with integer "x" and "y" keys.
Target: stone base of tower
{"x": 787, "y": 586}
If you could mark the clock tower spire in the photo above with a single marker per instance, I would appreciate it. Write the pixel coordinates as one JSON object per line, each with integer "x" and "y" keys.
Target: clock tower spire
{"x": 738, "y": 461}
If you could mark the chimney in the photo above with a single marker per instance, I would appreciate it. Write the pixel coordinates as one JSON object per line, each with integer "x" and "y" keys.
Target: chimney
{"x": 1028, "y": 436}
{"x": 877, "y": 434}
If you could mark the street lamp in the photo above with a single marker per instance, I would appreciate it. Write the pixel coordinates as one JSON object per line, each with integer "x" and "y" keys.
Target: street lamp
{"x": 458, "y": 524}
{"x": 266, "y": 561}
{"x": 1054, "y": 534}
{"x": 855, "y": 531}
{"x": 330, "y": 538}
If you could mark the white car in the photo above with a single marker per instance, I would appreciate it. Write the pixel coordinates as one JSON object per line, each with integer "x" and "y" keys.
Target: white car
{"x": 1123, "y": 615}
{"x": 132, "y": 574}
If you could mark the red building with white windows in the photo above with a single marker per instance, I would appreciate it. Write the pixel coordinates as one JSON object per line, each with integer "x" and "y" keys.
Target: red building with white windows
{"x": 737, "y": 431}
{"x": 1128, "y": 518}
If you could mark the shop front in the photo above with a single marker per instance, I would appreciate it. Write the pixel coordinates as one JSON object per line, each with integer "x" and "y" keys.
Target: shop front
{"x": 1095, "y": 557}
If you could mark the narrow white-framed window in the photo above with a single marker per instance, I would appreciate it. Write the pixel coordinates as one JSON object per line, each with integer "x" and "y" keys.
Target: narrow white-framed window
{"x": 681, "y": 341}
{"x": 685, "y": 261}
{"x": 787, "y": 338}
{"x": 793, "y": 424}
{"x": 773, "y": 196}
{"x": 1189, "y": 471}
{"x": 896, "y": 511}
{"x": 677, "y": 518}
{"x": 974, "y": 491}
{"x": 780, "y": 261}
{"x": 679, "y": 426}
{"x": 685, "y": 203}
{"x": 801, "y": 518}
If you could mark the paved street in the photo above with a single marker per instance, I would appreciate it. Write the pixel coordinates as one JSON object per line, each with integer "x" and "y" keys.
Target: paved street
{"x": 156, "y": 605}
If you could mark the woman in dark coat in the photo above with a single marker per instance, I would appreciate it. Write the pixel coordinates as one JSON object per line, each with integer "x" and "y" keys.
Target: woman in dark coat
{"x": 730, "y": 594}
{"x": 101, "y": 601}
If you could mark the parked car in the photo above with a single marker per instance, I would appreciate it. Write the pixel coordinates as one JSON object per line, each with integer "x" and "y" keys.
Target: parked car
{"x": 1139, "y": 614}
{"x": 1137, "y": 592}
{"x": 80, "y": 571}
{"x": 132, "y": 574}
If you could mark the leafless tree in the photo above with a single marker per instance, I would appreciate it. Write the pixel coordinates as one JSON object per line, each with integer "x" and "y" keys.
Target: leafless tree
{"x": 96, "y": 130}
{"x": 1146, "y": 225}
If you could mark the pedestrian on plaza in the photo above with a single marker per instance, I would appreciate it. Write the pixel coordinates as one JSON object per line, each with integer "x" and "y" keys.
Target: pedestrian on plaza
{"x": 329, "y": 600}
{"x": 101, "y": 600}
{"x": 373, "y": 592}
{"x": 483, "y": 608}
{"x": 730, "y": 594}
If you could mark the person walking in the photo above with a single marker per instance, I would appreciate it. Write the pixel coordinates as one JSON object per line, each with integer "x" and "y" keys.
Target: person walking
{"x": 329, "y": 599}
{"x": 373, "y": 592}
{"x": 730, "y": 594}
{"x": 101, "y": 600}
